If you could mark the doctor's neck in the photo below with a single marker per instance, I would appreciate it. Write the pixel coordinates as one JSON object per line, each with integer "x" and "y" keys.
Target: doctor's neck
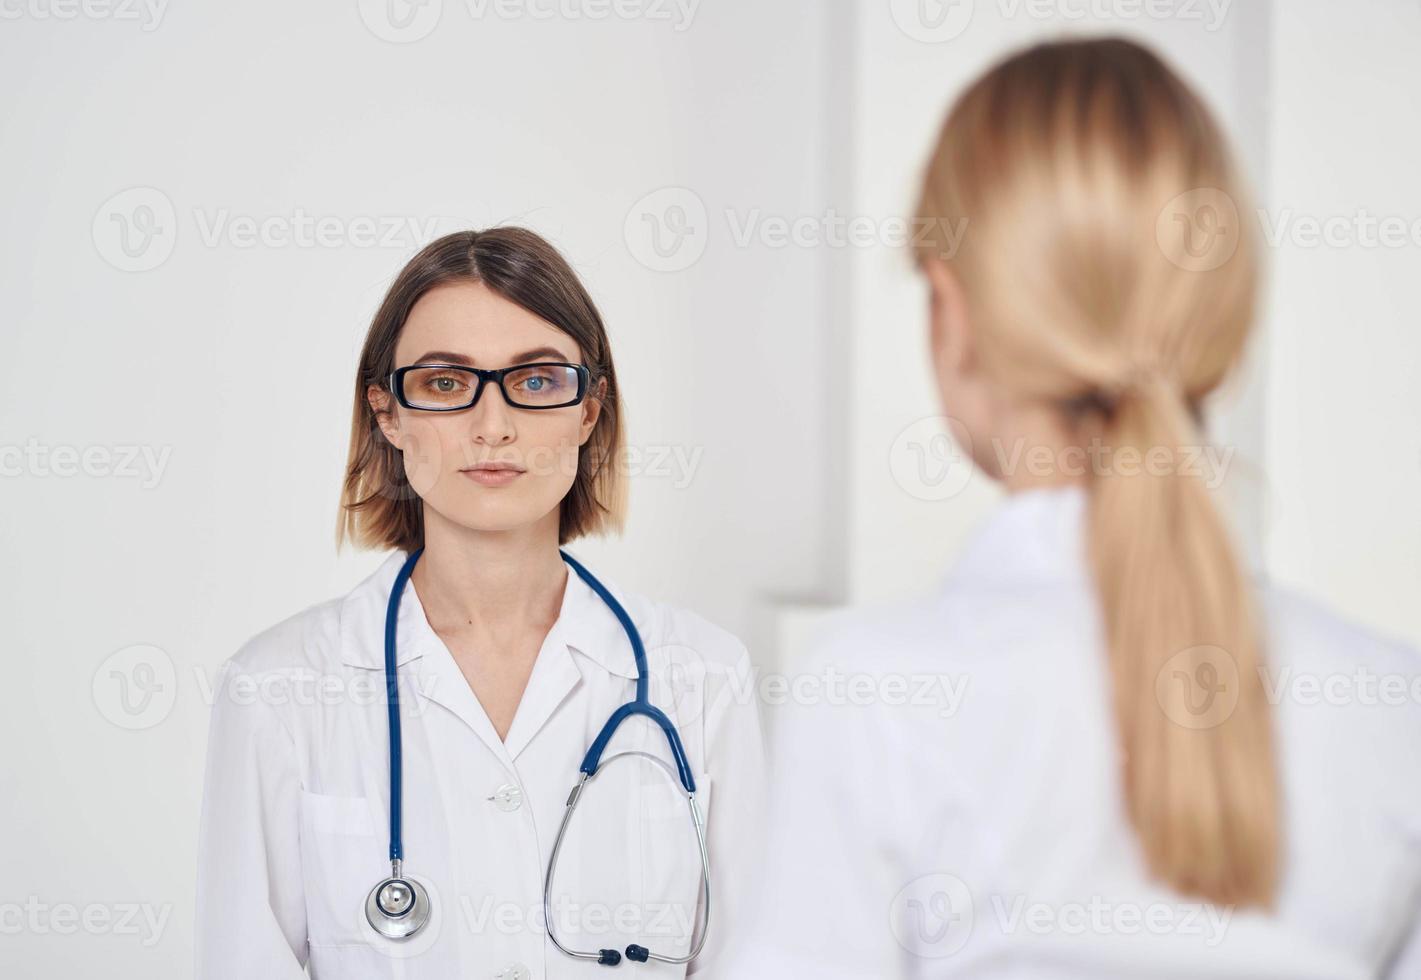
{"x": 1032, "y": 445}
{"x": 468, "y": 576}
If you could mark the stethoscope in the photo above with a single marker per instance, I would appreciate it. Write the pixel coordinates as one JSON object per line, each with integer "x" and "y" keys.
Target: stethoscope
{"x": 399, "y": 907}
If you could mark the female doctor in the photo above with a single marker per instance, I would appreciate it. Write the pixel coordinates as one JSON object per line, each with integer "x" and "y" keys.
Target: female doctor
{"x": 404, "y": 826}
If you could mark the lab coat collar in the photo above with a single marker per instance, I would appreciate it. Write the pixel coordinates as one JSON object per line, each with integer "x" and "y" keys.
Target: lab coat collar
{"x": 1039, "y": 535}
{"x": 589, "y": 626}
{"x": 362, "y": 619}
{"x": 584, "y": 623}
{"x": 1034, "y": 535}
{"x": 585, "y": 626}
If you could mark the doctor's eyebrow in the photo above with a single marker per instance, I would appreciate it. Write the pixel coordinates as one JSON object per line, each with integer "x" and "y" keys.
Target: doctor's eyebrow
{"x": 451, "y": 357}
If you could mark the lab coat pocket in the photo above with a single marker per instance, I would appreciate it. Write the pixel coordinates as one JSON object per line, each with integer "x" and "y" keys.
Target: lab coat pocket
{"x": 670, "y": 864}
{"x": 341, "y": 859}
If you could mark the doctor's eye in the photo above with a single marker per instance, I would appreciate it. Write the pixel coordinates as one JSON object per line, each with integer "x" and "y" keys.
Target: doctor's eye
{"x": 443, "y": 384}
{"x": 541, "y": 384}
{"x": 437, "y": 387}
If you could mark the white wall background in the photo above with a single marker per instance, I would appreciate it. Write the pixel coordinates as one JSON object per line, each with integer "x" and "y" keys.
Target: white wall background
{"x": 752, "y": 346}
{"x": 1343, "y": 406}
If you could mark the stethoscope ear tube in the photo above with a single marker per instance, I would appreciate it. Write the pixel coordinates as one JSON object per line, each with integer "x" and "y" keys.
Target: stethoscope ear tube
{"x": 634, "y": 952}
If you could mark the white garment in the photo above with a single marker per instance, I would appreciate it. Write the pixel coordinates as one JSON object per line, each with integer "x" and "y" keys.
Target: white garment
{"x": 295, "y": 810}
{"x": 922, "y": 828}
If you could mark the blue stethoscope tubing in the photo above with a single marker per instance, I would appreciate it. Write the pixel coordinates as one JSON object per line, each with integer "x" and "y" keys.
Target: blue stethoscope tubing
{"x": 398, "y": 907}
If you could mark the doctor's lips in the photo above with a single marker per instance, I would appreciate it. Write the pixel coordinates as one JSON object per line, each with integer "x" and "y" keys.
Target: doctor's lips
{"x": 493, "y": 473}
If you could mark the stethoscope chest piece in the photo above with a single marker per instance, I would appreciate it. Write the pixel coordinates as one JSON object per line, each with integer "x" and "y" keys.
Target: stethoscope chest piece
{"x": 397, "y": 907}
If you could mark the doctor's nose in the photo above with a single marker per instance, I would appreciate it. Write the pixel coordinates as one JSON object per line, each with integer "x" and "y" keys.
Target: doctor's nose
{"x": 491, "y": 417}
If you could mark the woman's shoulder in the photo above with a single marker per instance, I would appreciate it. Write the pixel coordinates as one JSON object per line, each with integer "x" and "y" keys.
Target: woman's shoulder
{"x": 287, "y": 665}
{"x": 1323, "y": 664}
{"x": 667, "y": 628}
{"x": 330, "y": 635}
{"x": 314, "y": 638}
{"x": 1305, "y": 630}
{"x": 305, "y": 640}
{"x": 951, "y": 626}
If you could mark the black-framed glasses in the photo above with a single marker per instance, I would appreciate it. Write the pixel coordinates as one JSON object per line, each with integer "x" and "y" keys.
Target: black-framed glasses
{"x": 451, "y": 387}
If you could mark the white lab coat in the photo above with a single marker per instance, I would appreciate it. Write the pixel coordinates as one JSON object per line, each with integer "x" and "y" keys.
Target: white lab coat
{"x": 295, "y": 810}
{"x": 957, "y": 809}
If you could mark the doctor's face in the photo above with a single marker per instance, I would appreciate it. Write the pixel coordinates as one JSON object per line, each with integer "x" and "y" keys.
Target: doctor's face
{"x": 491, "y": 466}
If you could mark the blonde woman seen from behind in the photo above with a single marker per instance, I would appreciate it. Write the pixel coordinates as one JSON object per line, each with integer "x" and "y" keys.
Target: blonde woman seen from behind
{"x": 1129, "y": 784}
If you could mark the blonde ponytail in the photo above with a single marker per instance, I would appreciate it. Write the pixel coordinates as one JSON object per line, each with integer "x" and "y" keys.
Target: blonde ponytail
{"x": 1062, "y": 164}
{"x": 1184, "y": 654}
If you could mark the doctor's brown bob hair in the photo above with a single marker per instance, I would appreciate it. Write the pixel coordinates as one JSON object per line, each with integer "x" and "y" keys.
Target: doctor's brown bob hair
{"x": 379, "y": 509}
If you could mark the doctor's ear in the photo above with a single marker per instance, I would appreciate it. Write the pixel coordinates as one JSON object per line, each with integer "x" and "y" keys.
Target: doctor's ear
{"x": 950, "y": 331}
{"x": 592, "y": 409}
{"x": 380, "y": 403}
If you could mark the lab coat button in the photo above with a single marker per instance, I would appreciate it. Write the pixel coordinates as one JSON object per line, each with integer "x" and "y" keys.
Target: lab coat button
{"x": 508, "y": 798}
{"x": 513, "y": 971}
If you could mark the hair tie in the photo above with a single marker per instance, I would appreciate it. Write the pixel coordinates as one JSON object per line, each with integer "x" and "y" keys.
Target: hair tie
{"x": 1137, "y": 379}
{"x": 1142, "y": 376}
